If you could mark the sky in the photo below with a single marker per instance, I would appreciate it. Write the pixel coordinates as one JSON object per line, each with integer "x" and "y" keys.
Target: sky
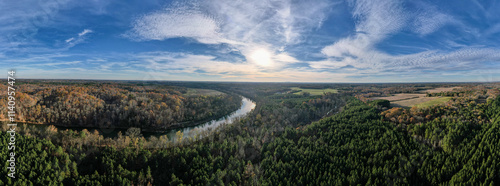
{"x": 254, "y": 41}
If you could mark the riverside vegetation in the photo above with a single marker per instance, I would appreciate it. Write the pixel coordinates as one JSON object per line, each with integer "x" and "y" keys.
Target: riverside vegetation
{"x": 289, "y": 139}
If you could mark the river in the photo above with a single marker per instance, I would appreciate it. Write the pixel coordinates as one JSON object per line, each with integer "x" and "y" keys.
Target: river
{"x": 246, "y": 106}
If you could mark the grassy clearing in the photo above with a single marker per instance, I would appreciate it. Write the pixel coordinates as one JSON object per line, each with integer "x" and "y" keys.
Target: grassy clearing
{"x": 197, "y": 91}
{"x": 314, "y": 92}
{"x": 421, "y": 102}
{"x": 433, "y": 102}
{"x": 398, "y": 97}
{"x": 442, "y": 89}
{"x": 418, "y": 100}
{"x": 407, "y": 103}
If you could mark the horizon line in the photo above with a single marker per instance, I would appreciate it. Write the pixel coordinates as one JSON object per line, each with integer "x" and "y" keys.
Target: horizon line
{"x": 199, "y": 81}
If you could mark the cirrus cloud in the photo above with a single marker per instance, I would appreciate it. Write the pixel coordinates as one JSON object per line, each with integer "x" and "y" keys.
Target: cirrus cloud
{"x": 247, "y": 27}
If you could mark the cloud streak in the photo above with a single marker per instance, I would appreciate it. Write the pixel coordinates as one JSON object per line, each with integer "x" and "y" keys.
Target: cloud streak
{"x": 20, "y": 21}
{"x": 262, "y": 30}
{"x": 72, "y": 41}
{"x": 162, "y": 64}
{"x": 251, "y": 28}
{"x": 377, "y": 21}
{"x": 262, "y": 40}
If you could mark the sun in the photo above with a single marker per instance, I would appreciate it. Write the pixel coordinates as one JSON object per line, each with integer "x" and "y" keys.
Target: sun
{"x": 261, "y": 57}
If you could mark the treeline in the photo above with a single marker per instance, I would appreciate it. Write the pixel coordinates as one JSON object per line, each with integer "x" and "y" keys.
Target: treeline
{"x": 277, "y": 144}
{"x": 430, "y": 125}
{"x": 116, "y": 105}
{"x": 469, "y": 152}
{"x": 229, "y": 156}
{"x": 352, "y": 147}
{"x": 356, "y": 147}
{"x": 480, "y": 93}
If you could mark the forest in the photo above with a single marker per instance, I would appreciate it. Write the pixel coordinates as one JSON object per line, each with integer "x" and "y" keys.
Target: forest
{"x": 342, "y": 138}
{"x": 118, "y": 105}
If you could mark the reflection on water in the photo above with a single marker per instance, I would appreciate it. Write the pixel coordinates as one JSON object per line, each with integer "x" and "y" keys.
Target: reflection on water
{"x": 246, "y": 106}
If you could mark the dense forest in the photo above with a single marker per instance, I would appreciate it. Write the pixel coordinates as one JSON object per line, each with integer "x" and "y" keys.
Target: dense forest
{"x": 331, "y": 139}
{"x": 116, "y": 105}
{"x": 356, "y": 147}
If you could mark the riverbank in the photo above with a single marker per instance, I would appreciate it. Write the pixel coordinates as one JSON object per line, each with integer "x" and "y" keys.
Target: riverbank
{"x": 246, "y": 106}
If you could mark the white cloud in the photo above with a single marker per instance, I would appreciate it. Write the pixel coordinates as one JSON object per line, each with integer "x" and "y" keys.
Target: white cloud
{"x": 107, "y": 66}
{"x": 71, "y": 42}
{"x": 185, "y": 66}
{"x": 376, "y": 21}
{"x": 177, "y": 23}
{"x": 26, "y": 16}
{"x": 189, "y": 63}
{"x": 44, "y": 58}
{"x": 261, "y": 30}
{"x": 463, "y": 59}
{"x": 247, "y": 26}
{"x": 59, "y": 63}
{"x": 20, "y": 20}
{"x": 328, "y": 64}
{"x": 430, "y": 22}
{"x": 84, "y": 32}
{"x": 161, "y": 65}
{"x": 428, "y": 19}
{"x": 379, "y": 18}
{"x": 380, "y": 63}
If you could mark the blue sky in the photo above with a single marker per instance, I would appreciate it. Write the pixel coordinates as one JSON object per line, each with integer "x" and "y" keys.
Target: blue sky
{"x": 278, "y": 41}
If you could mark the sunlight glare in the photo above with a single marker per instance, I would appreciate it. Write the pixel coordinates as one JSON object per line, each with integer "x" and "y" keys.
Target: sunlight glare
{"x": 261, "y": 57}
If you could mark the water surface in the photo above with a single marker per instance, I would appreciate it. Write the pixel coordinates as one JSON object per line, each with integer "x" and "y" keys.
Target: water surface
{"x": 246, "y": 106}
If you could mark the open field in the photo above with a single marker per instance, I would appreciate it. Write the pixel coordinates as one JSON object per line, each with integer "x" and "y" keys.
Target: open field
{"x": 399, "y": 97}
{"x": 197, "y": 91}
{"x": 441, "y": 89}
{"x": 420, "y": 102}
{"x": 314, "y": 92}
{"x": 433, "y": 102}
